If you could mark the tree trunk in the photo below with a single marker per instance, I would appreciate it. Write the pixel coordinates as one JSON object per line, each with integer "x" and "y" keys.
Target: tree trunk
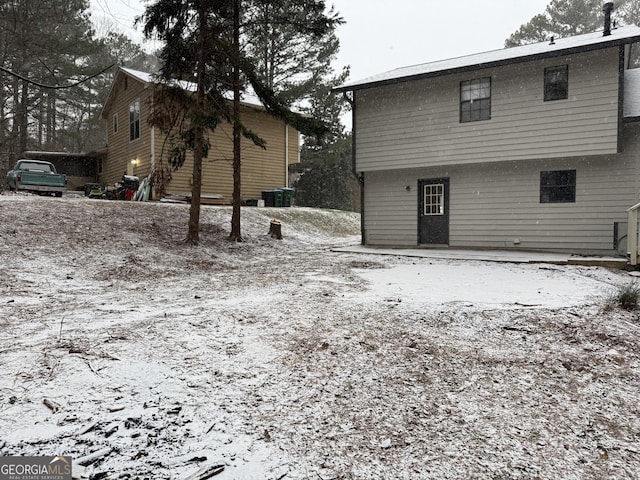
{"x": 51, "y": 119}
{"x": 236, "y": 234}
{"x": 4, "y": 129}
{"x": 41, "y": 117}
{"x": 15, "y": 121}
{"x": 193, "y": 236}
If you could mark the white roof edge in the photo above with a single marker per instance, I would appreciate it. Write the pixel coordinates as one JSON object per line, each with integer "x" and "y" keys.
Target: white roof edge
{"x": 142, "y": 76}
{"x": 146, "y": 77}
{"x": 626, "y": 34}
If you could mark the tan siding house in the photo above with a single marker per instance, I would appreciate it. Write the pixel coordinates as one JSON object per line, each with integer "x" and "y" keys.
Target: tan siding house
{"x": 534, "y": 147}
{"x": 136, "y": 148}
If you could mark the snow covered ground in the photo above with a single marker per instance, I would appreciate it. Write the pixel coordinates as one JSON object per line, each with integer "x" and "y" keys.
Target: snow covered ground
{"x": 282, "y": 359}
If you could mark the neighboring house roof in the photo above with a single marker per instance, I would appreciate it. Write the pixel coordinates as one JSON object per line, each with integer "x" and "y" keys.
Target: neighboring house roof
{"x": 149, "y": 79}
{"x": 555, "y": 48}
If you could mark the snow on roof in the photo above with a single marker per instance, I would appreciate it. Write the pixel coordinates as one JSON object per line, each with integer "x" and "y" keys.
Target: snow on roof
{"x": 560, "y": 46}
{"x": 142, "y": 76}
{"x": 247, "y": 98}
{"x": 632, "y": 93}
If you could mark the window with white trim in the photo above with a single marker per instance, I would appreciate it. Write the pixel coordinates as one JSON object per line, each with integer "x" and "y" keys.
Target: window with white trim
{"x": 134, "y": 120}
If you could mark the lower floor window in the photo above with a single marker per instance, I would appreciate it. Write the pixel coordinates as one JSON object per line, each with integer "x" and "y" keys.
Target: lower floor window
{"x": 558, "y": 186}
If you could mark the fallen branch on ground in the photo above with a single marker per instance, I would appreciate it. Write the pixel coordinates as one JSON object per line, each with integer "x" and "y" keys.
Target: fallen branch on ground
{"x": 205, "y": 472}
{"x": 53, "y": 406}
{"x": 93, "y": 457}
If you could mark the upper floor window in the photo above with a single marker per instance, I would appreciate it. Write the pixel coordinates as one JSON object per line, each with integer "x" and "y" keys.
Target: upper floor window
{"x": 115, "y": 123}
{"x": 134, "y": 120}
{"x": 558, "y": 186}
{"x": 556, "y": 83}
{"x": 475, "y": 100}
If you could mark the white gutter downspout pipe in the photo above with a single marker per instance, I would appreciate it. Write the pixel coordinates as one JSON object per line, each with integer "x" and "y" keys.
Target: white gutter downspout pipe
{"x": 286, "y": 155}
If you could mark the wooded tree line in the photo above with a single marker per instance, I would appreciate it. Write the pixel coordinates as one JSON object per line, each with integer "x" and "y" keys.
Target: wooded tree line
{"x": 45, "y": 46}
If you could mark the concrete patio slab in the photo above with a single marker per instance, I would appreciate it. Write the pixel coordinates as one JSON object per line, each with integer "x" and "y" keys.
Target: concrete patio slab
{"x": 509, "y": 256}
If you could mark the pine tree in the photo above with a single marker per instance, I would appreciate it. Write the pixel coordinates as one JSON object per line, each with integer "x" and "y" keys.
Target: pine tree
{"x": 564, "y": 18}
{"x": 326, "y": 178}
{"x": 207, "y": 37}
{"x": 47, "y": 42}
{"x": 292, "y": 45}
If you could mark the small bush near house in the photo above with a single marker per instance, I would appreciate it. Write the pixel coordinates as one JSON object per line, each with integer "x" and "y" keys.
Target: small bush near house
{"x": 625, "y": 296}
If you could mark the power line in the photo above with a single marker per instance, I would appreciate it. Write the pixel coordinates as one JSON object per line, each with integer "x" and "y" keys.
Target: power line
{"x": 109, "y": 11}
{"x": 55, "y": 87}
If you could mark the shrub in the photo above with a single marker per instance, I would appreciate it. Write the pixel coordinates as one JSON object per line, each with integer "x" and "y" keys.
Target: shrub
{"x": 627, "y": 296}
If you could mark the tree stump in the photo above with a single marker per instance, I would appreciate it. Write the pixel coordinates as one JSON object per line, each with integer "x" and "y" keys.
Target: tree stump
{"x": 275, "y": 229}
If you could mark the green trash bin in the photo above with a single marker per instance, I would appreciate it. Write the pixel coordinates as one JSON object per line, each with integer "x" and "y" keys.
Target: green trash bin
{"x": 277, "y": 197}
{"x": 287, "y": 195}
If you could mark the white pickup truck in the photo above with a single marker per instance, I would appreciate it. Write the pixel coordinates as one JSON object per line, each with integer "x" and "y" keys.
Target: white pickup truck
{"x": 37, "y": 176}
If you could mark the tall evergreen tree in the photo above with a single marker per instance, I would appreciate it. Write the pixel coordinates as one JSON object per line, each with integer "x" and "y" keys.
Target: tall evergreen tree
{"x": 292, "y": 45}
{"x": 298, "y": 63}
{"x": 209, "y": 37}
{"x": 47, "y": 42}
{"x": 195, "y": 34}
{"x": 325, "y": 176}
{"x": 113, "y": 49}
{"x": 564, "y": 18}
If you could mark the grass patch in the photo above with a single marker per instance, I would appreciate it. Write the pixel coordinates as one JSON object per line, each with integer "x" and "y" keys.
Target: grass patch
{"x": 625, "y": 296}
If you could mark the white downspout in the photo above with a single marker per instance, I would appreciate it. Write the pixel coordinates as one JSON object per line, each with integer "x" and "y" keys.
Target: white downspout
{"x": 286, "y": 155}
{"x": 152, "y": 167}
{"x": 153, "y": 149}
{"x": 632, "y": 233}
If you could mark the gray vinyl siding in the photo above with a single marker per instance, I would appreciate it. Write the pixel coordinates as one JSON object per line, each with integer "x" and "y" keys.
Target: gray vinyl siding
{"x": 492, "y": 205}
{"x": 417, "y": 124}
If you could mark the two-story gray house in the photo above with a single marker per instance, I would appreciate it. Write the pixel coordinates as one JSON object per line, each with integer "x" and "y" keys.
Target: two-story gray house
{"x": 534, "y": 147}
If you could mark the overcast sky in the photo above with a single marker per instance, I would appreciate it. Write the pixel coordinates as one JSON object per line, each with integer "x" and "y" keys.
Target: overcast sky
{"x": 380, "y": 35}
